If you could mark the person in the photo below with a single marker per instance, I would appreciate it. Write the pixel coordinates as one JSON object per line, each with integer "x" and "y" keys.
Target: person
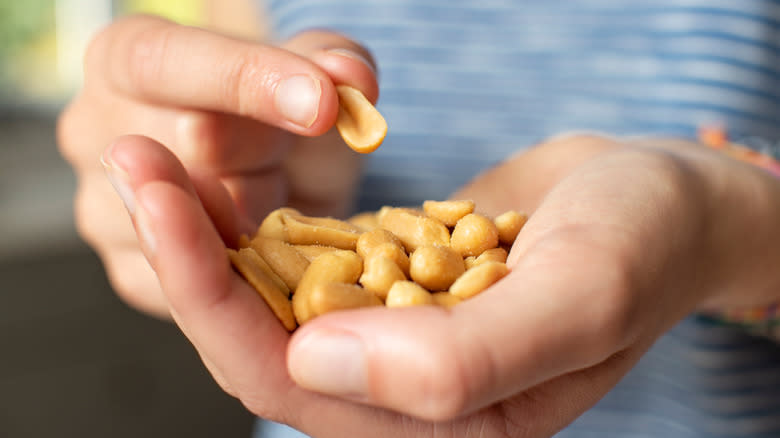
{"x": 583, "y": 114}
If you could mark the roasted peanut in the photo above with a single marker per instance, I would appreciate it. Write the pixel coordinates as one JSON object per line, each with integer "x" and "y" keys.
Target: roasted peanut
{"x": 371, "y": 239}
{"x": 379, "y": 274}
{"x": 330, "y": 297}
{"x": 393, "y": 252}
{"x": 445, "y": 299}
{"x": 361, "y": 126}
{"x": 489, "y": 255}
{"x": 448, "y": 212}
{"x": 366, "y": 221}
{"x": 473, "y": 234}
{"x": 246, "y": 262}
{"x": 273, "y": 224}
{"x": 333, "y": 267}
{"x": 406, "y": 294}
{"x": 509, "y": 225}
{"x": 303, "y": 230}
{"x": 435, "y": 267}
{"x": 284, "y": 260}
{"x": 477, "y": 279}
{"x": 414, "y": 229}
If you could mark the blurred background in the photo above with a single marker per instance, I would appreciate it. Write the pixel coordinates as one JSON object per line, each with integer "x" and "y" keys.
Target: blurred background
{"x": 74, "y": 360}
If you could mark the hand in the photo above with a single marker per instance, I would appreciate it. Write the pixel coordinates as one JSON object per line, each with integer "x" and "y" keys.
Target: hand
{"x": 241, "y": 117}
{"x": 622, "y": 243}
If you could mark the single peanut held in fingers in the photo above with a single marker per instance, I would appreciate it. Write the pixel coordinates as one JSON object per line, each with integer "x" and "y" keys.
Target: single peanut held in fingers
{"x": 473, "y": 234}
{"x": 360, "y": 124}
{"x": 477, "y": 279}
{"x": 276, "y": 300}
{"x": 435, "y": 267}
{"x": 407, "y": 294}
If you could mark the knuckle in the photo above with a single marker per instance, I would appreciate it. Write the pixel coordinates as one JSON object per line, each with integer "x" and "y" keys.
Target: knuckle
{"x": 244, "y": 80}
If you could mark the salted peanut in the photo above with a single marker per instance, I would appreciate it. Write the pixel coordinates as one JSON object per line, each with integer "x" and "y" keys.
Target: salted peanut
{"x": 477, "y": 279}
{"x": 330, "y": 297}
{"x": 435, "y": 267}
{"x": 414, "y": 229}
{"x": 407, "y": 294}
{"x": 283, "y": 258}
{"x": 448, "y": 212}
{"x": 361, "y": 126}
{"x": 366, "y": 221}
{"x": 445, "y": 299}
{"x": 473, "y": 234}
{"x": 250, "y": 255}
{"x": 371, "y": 239}
{"x": 379, "y": 274}
{"x": 341, "y": 266}
{"x": 311, "y": 252}
{"x": 273, "y": 224}
{"x": 275, "y": 298}
{"x": 509, "y": 225}
{"x": 489, "y": 255}
{"x": 303, "y": 230}
{"x": 394, "y": 252}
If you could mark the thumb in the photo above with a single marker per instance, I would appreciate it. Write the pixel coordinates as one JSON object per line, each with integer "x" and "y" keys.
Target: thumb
{"x": 551, "y": 316}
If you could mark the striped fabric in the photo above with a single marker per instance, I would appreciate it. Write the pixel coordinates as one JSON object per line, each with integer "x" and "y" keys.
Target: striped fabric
{"x": 464, "y": 83}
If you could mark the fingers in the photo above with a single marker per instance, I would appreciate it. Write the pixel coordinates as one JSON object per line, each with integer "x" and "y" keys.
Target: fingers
{"x": 155, "y": 60}
{"x": 552, "y": 315}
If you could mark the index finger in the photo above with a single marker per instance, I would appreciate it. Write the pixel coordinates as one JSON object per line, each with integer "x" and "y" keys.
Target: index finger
{"x": 152, "y": 59}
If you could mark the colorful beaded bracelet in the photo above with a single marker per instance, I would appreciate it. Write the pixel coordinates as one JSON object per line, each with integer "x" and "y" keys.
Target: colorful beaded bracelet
{"x": 761, "y": 320}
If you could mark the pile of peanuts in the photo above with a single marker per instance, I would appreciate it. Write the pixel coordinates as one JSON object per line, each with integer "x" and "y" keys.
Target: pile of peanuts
{"x": 440, "y": 254}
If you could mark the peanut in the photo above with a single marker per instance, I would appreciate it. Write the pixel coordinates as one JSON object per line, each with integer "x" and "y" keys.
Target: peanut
{"x": 379, "y": 274}
{"x": 435, "y": 267}
{"x": 448, "y": 212}
{"x": 414, "y": 229}
{"x": 361, "y": 126}
{"x": 406, "y": 294}
{"x": 283, "y": 258}
{"x": 333, "y": 267}
{"x": 509, "y": 225}
{"x": 474, "y": 234}
{"x": 477, "y": 279}
{"x": 303, "y": 230}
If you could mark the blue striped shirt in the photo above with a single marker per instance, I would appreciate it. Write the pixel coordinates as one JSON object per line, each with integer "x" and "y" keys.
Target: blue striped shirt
{"x": 466, "y": 83}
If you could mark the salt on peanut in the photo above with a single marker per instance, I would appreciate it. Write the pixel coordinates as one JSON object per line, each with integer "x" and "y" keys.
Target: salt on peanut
{"x": 283, "y": 258}
{"x": 448, "y": 212}
{"x": 277, "y": 300}
{"x": 360, "y": 124}
{"x": 477, "y": 279}
{"x": 489, "y": 255}
{"x": 379, "y": 274}
{"x": 407, "y": 294}
{"x": 414, "y": 229}
{"x": 342, "y": 266}
{"x": 473, "y": 234}
{"x": 304, "y": 230}
{"x": 435, "y": 267}
{"x": 509, "y": 225}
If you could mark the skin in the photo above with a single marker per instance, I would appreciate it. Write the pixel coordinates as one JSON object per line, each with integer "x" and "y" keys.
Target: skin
{"x": 649, "y": 216}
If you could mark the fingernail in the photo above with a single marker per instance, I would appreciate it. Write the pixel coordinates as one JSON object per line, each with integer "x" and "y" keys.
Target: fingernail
{"x": 297, "y": 98}
{"x": 144, "y": 231}
{"x": 119, "y": 179}
{"x": 353, "y": 55}
{"x": 330, "y": 362}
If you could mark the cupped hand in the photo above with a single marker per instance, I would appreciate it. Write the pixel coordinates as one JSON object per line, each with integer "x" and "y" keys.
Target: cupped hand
{"x": 253, "y": 117}
{"x": 623, "y": 242}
